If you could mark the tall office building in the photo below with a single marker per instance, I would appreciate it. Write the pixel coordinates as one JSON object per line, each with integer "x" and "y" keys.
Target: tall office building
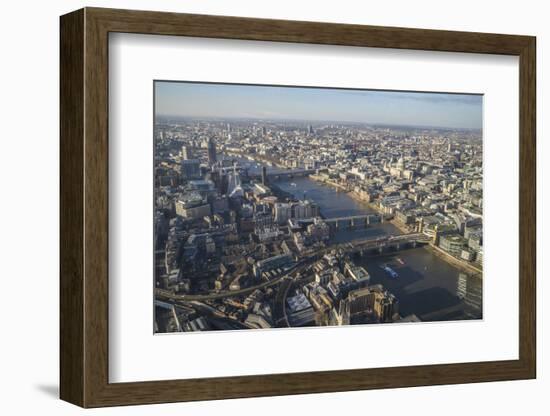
{"x": 234, "y": 188}
{"x": 212, "y": 158}
{"x": 310, "y": 129}
{"x": 190, "y": 169}
{"x": 264, "y": 175}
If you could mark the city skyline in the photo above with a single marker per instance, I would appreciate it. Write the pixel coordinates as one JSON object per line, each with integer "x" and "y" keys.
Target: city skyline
{"x": 270, "y": 224}
{"x": 225, "y": 101}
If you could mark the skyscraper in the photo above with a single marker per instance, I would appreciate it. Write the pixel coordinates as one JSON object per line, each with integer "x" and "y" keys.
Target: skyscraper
{"x": 234, "y": 188}
{"x": 212, "y": 158}
{"x": 264, "y": 175}
{"x": 190, "y": 169}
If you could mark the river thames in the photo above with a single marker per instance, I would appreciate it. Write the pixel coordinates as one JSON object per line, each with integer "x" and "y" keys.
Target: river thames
{"x": 427, "y": 285}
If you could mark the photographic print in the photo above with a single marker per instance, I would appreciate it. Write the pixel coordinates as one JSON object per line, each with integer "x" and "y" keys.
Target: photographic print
{"x": 289, "y": 206}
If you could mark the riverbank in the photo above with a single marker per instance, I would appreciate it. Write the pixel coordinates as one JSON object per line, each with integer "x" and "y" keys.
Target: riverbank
{"x": 439, "y": 252}
{"x": 352, "y": 194}
{"x": 400, "y": 226}
{"x": 403, "y": 228}
{"x": 279, "y": 193}
{"x": 462, "y": 264}
{"x": 330, "y": 183}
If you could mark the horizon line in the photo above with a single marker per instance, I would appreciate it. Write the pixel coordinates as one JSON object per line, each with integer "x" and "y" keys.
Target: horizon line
{"x": 365, "y": 123}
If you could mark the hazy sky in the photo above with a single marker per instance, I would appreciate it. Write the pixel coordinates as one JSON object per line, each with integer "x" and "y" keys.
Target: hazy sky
{"x": 317, "y": 104}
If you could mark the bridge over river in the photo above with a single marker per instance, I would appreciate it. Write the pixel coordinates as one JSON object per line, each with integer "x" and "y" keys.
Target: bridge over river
{"x": 354, "y": 221}
{"x": 361, "y": 247}
{"x": 283, "y": 175}
{"x": 385, "y": 243}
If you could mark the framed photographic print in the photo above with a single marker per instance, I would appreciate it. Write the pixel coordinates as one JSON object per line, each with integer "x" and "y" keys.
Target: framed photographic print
{"x": 256, "y": 207}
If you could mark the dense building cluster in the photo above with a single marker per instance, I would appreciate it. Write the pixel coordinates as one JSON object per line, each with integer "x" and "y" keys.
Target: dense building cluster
{"x": 234, "y": 251}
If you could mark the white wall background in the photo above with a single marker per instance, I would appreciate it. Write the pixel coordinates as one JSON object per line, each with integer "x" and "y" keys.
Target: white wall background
{"x": 29, "y": 210}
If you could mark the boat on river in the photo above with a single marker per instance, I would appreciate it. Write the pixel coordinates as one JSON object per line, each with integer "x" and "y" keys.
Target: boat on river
{"x": 390, "y": 271}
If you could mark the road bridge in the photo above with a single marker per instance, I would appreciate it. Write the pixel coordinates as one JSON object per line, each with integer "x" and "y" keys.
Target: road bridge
{"x": 354, "y": 221}
{"x": 361, "y": 247}
{"x": 284, "y": 174}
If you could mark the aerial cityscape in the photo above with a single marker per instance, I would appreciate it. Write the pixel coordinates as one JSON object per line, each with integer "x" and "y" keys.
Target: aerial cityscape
{"x": 279, "y": 207}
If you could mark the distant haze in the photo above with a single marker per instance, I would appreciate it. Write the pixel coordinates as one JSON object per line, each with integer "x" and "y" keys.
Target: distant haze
{"x": 203, "y": 100}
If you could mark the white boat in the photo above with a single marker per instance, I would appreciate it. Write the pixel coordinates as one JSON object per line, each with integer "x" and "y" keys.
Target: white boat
{"x": 390, "y": 271}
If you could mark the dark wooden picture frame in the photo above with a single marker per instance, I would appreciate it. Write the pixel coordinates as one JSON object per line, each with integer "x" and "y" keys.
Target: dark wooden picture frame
{"x": 84, "y": 207}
